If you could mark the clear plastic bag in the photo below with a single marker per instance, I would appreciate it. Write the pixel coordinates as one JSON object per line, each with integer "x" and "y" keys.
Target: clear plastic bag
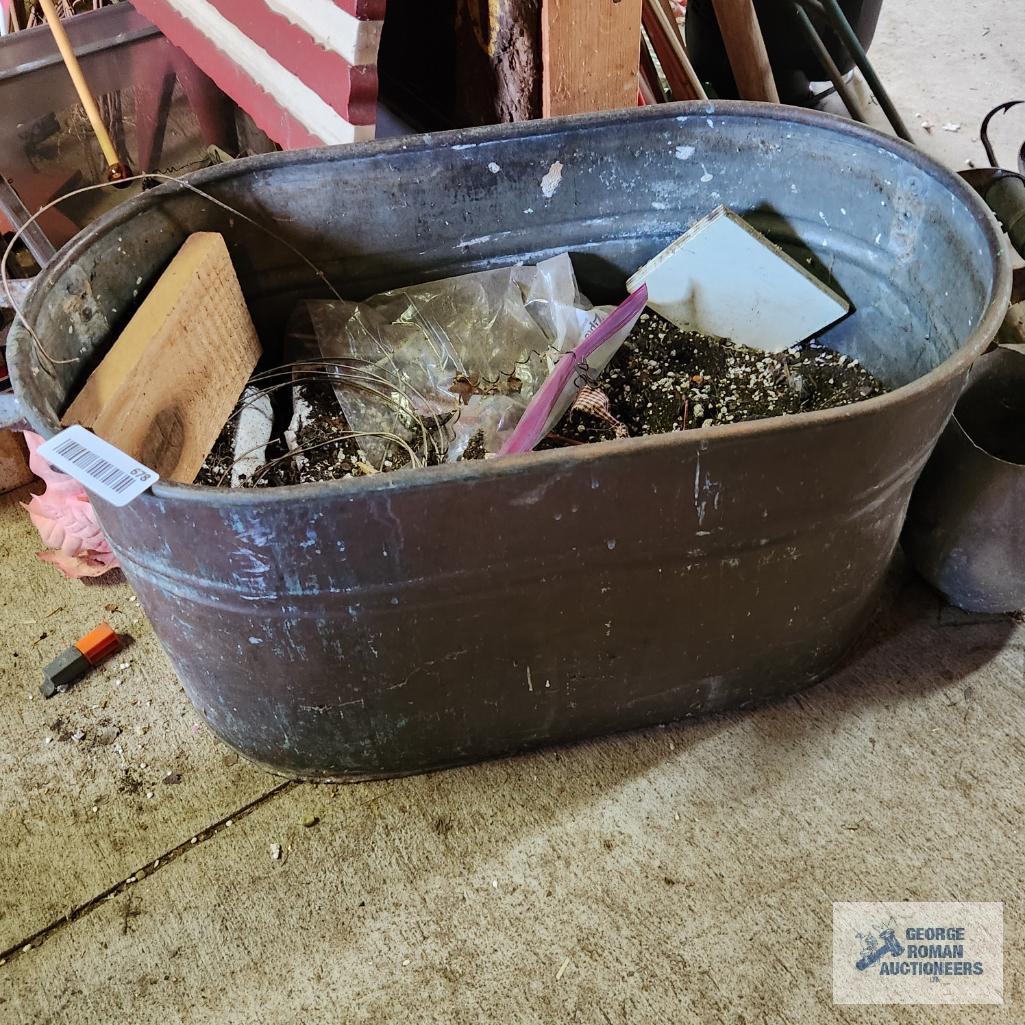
{"x": 459, "y": 356}
{"x": 576, "y": 369}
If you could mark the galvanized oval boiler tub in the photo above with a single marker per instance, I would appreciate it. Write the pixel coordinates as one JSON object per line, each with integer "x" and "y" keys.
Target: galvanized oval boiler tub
{"x": 421, "y": 619}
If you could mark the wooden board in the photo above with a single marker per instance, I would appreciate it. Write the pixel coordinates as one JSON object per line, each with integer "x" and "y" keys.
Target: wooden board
{"x": 590, "y": 55}
{"x": 167, "y": 386}
{"x": 302, "y": 69}
{"x": 745, "y": 46}
{"x": 156, "y": 308}
{"x": 668, "y": 46}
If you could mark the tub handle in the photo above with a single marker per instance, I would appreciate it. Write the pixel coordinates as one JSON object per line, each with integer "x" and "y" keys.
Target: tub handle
{"x": 12, "y": 416}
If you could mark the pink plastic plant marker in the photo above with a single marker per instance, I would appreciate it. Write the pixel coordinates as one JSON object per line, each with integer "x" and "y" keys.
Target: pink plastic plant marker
{"x": 560, "y": 388}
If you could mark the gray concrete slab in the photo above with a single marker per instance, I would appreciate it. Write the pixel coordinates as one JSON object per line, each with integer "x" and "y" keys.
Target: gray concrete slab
{"x": 947, "y": 65}
{"x": 85, "y": 799}
{"x": 683, "y": 873}
{"x": 671, "y": 875}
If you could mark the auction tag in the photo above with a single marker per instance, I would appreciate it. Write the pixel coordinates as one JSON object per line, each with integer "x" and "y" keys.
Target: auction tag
{"x": 97, "y": 465}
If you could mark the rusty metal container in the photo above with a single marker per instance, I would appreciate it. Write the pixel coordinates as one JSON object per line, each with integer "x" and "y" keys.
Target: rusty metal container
{"x": 421, "y": 619}
{"x": 965, "y": 529}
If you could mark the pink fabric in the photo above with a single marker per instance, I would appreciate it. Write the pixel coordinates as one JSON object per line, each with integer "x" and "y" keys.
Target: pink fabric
{"x": 66, "y": 521}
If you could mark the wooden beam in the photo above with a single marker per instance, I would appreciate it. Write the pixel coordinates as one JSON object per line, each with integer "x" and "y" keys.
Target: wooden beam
{"x": 590, "y": 55}
{"x": 649, "y": 75}
{"x": 351, "y": 89}
{"x": 669, "y": 48}
{"x": 302, "y": 69}
{"x": 745, "y": 47}
{"x": 457, "y": 63}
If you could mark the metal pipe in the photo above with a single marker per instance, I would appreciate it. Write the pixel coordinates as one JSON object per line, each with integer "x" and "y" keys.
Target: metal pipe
{"x": 830, "y": 9}
{"x": 825, "y": 58}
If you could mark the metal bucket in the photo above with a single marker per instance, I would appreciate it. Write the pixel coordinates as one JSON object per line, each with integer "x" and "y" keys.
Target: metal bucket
{"x": 965, "y": 530}
{"x": 421, "y": 619}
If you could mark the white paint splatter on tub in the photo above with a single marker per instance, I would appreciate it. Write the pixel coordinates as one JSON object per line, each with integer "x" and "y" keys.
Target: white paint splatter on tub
{"x": 494, "y": 168}
{"x": 706, "y": 177}
{"x": 552, "y": 180}
{"x": 684, "y": 152}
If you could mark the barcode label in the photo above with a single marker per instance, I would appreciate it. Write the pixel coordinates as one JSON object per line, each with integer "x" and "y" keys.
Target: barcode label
{"x": 97, "y": 465}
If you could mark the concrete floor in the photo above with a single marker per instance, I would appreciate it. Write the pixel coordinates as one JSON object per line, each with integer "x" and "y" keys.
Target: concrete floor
{"x": 681, "y": 874}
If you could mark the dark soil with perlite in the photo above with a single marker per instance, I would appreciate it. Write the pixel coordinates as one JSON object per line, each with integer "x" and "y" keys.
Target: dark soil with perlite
{"x": 661, "y": 380}
{"x": 664, "y": 379}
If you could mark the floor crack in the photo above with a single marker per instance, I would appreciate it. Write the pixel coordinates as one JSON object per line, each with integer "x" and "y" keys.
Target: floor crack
{"x": 27, "y": 943}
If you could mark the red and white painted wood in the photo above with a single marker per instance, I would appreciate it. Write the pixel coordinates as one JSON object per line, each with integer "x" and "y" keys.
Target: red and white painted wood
{"x": 305, "y": 70}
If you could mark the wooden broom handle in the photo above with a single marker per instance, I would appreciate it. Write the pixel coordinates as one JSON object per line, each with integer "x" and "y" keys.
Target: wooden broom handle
{"x": 92, "y": 111}
{"x": 745, "y": 46}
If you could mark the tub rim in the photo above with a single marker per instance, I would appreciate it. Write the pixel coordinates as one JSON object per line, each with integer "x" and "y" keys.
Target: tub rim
{"x": 19, "y": 342}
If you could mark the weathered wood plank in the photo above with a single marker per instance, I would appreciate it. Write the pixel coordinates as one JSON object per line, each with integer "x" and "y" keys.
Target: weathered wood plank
{"x": 590, "y": 55}
{"x": 745, "y": 46}
{"x": 672, "y": 55}
{"x": 164, "y": 391}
